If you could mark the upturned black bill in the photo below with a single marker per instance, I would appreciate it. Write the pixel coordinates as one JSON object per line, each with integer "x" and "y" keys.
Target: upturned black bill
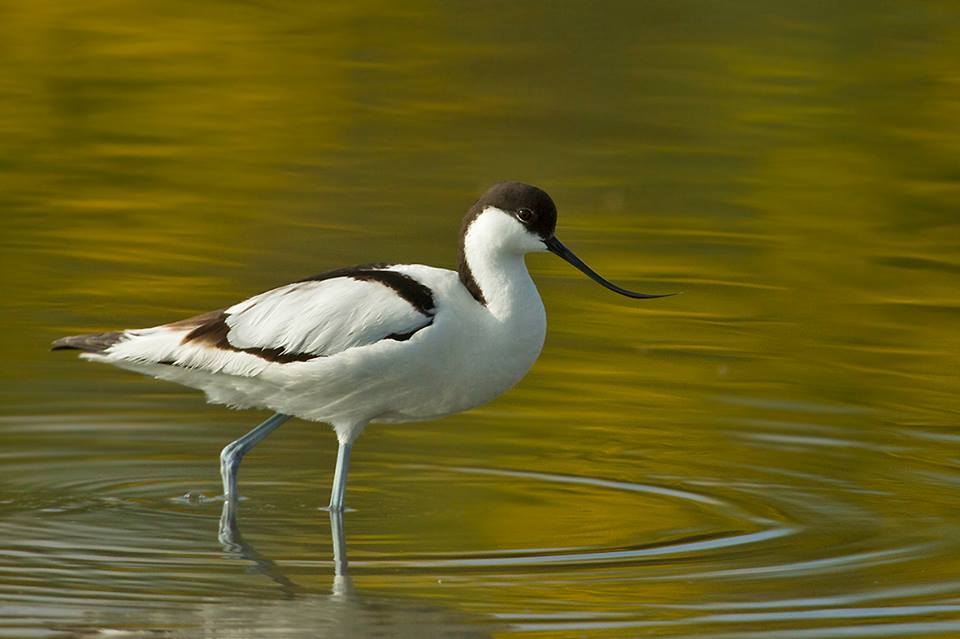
{"x": 557, "y": 248}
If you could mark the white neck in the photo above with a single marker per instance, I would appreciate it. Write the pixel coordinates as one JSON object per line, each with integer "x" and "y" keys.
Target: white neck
{"x": 492, "y": 256}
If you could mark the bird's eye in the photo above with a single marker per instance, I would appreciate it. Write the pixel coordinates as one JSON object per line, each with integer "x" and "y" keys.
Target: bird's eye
{"x": 525, "y": 215}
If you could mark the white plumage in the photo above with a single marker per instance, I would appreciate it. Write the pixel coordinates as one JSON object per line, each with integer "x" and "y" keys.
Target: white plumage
{"x": 370, "y": 344}
{"x": 324, "y": 318}
{"x": 457, "y": 360}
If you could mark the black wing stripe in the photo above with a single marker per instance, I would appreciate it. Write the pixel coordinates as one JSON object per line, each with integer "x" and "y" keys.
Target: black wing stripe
{"x": 418, "y": 295}
{"x": 214, "y": 332}
{"x": 402, "y": 337}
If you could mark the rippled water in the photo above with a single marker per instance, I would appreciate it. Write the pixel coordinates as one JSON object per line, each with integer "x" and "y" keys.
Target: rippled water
{"x": 773, "y": 453}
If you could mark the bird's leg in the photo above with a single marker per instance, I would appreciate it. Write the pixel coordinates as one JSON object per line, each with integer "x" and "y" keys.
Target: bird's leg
{"x": 340, "y": 477}
{"x": 229, "y": 532}
{"x": 233, "y": 452}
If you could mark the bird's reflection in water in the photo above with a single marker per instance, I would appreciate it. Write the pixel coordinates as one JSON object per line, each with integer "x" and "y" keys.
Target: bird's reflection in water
{"x": 345, "y": 612}
{"x": 232, "y": 541}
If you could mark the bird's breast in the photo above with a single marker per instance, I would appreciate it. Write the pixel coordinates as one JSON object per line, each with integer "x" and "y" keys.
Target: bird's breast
{"x": 468, "y": 356}
{"x": 497, "y": 351}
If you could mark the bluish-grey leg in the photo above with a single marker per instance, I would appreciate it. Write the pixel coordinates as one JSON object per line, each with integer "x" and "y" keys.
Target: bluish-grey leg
{"x": 233, "y": 453}
{"x": 340, "y": 477}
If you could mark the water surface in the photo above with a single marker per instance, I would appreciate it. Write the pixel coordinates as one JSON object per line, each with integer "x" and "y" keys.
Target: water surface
{"x": 771, "y": 454}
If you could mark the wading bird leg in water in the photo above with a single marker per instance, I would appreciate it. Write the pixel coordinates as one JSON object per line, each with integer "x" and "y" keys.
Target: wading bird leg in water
{"x": 232, "y": 453}
{"x": 339, "y": 488}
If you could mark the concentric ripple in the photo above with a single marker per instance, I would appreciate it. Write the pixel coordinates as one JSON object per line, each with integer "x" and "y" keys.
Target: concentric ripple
{"x": 135, "y": 540}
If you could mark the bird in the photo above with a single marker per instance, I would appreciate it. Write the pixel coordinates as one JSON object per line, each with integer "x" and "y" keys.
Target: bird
{"x": 374, "y": 343}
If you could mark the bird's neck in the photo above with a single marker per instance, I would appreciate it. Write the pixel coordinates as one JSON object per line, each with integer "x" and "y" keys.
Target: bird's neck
{"x": 496, "y": 278}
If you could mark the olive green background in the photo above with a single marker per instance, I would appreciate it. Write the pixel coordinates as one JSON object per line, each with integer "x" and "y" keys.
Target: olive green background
{"x": 772, "y": 453}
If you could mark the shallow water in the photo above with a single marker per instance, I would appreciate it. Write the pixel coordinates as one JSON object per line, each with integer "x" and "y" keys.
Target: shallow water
{"x": 773, "y": 453}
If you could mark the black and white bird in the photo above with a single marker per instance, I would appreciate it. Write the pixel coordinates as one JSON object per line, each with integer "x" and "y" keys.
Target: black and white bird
{"x": 372, "y": 343}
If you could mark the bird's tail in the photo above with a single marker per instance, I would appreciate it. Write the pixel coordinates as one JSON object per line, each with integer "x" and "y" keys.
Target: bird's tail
{"x": 89, "y": 343}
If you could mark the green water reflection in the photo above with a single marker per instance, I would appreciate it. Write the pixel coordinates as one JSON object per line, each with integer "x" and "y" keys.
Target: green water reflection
{"x": 771, "y": 454}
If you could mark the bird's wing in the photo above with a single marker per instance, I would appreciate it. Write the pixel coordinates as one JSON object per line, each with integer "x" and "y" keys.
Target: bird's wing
{"x": 317, "y": 317}
{"x": 325, "y": 316}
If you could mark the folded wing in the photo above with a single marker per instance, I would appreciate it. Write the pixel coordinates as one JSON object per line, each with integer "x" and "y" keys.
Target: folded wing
{"x": 317, "y": 317}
